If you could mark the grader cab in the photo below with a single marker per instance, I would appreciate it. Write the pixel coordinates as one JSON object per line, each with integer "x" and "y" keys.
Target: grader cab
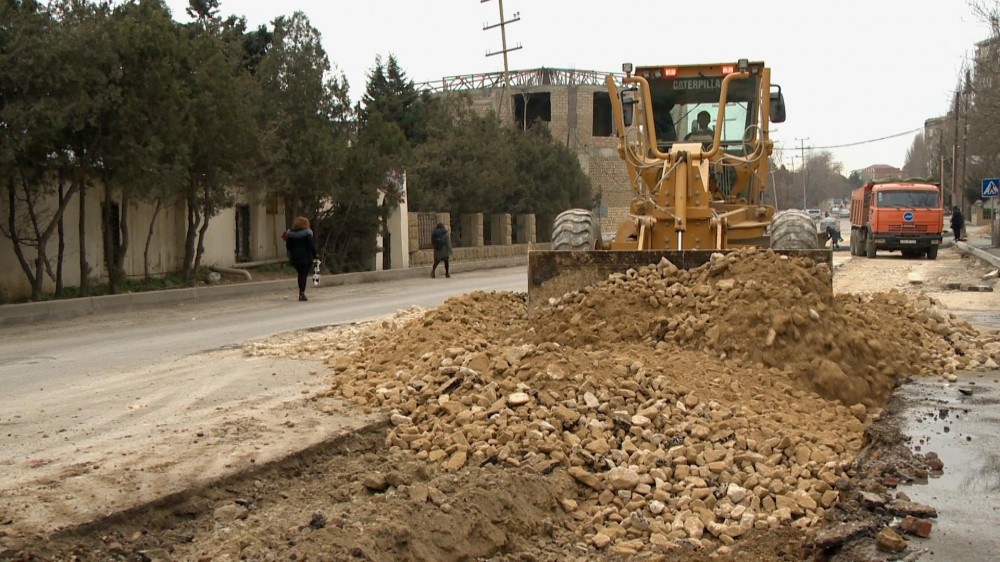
{"x": 695, "y": 143}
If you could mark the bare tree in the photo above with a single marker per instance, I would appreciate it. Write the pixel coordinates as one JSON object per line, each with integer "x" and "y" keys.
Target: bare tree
{"x": 981, "y": 102}
{"x": 918, "y": 159}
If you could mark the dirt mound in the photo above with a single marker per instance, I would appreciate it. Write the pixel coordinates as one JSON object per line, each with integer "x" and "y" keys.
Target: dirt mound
{"x": 670, "y": 449}
{"x": 772, "y": 310}
{"x": 671, "y": 411}
{"x": 691, "y": 407}
{"x": 342, "y": 501}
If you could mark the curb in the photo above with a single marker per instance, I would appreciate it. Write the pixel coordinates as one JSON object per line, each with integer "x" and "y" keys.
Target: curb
{"x": 63, "y": 309}
{"x": 981, "y": 254}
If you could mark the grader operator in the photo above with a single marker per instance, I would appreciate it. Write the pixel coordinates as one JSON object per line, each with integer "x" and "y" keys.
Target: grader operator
{"x": 694, "y": 140}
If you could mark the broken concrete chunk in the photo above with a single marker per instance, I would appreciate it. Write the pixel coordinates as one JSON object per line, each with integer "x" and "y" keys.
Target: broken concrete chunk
{"x": 903, "y": 508}
{"x": 836, "y": 535}
{"x": 870, "y": 500}
{"x": 889, "y": 541}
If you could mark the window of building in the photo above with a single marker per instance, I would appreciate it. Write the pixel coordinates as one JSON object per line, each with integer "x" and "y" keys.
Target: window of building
{"x": 530, "y": 107}
{"x": 602, "y": 115}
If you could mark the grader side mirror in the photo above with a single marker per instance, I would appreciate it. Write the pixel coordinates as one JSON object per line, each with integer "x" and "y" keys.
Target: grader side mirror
{"x": 628, "y": 105}
{"x": 777, "y": 106}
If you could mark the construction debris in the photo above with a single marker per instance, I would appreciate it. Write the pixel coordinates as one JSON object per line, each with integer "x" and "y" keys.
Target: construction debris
{"x": 692, "y": 407}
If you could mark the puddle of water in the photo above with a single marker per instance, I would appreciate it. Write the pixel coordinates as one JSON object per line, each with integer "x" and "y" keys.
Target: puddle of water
{"x": 964, "y": 431}
{"x": 988, "y": 320}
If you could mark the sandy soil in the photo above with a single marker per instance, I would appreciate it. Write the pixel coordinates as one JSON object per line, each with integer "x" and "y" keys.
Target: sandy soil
{"x": 732, "y": 412}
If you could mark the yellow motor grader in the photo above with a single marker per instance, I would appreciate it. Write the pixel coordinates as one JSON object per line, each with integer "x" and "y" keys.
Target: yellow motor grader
{"x": 695, "y": 143}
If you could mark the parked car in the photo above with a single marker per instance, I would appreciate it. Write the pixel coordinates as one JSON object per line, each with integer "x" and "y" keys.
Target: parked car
{"x": 845, "y": 212}
{"x": 816, "y": 214}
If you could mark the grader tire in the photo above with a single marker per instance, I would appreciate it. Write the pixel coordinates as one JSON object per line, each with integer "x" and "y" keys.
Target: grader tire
{"x": 574, "y": 229}
{"x": 793, "y": 230}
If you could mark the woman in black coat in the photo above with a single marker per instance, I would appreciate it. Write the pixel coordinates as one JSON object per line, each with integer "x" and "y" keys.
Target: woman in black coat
{"x": 957, "y": 223}
{"x": 301, "y": 246}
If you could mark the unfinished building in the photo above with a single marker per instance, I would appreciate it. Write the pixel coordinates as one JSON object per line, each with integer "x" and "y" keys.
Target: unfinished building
{"x": 576, "y": 108}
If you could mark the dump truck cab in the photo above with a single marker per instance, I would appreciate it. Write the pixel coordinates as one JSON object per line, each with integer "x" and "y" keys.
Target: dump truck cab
{"x": 904, "y": 216}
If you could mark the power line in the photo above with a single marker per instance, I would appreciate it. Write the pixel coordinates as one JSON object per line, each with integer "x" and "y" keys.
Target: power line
{"x": 911, "y": 131}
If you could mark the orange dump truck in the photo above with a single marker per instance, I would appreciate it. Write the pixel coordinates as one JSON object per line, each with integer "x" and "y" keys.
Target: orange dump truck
{"x": 899, "y": 215}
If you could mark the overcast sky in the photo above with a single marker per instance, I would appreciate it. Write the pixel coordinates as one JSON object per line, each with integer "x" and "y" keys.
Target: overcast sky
{"x": 850, "y": 70}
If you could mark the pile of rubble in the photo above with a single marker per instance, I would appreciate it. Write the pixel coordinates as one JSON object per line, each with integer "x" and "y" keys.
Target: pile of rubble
{"x": 692, "y": 407}
{"x": 776, "y": 311}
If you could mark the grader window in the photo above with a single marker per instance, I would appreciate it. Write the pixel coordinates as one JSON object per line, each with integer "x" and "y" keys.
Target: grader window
{"x": 602, "y": 115}
{"x": 530, "y": 107}
{"x": 678, "y": 101}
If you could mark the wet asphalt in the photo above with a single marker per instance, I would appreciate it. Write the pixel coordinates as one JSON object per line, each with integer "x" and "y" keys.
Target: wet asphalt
{"x": 960, "y": 421}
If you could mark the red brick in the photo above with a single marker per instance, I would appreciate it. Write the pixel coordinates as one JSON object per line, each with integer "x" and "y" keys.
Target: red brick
{"x": 916, "y": 526}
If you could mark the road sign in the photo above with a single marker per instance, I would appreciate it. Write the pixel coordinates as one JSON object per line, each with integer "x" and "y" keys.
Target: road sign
{"x": 991, "y": 187}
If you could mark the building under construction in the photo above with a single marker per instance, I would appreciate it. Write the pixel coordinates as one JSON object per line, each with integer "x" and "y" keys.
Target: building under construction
{"x": 575, "y": 106}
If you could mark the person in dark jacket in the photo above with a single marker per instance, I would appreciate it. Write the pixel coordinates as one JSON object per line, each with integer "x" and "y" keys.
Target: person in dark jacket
{"x": 835, "y": 237}
{"x": 301, "y": 246}
{"x": 957, "y": 223}
{"x": 442, "y": 248}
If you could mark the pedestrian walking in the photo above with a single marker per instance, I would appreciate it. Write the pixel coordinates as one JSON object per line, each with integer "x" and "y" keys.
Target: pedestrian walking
{"x": 957, "y": 223}
{"x": 441, "y": 240}
{"x": 834, "y": 236}
{"x": 301, "y": 246}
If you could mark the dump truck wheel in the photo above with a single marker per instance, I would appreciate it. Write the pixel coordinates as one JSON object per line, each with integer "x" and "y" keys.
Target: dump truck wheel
{"x": 574, "y": 229}
{"x": 870, "y": 246}
{"x": 857, "y": 239}
{"x": 793, "y": 230}
{"x": 932, "y": 253}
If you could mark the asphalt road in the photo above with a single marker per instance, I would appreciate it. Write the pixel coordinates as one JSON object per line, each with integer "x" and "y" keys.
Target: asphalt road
{"x": 103, "y": 412}
{"x": 59, "y": 352}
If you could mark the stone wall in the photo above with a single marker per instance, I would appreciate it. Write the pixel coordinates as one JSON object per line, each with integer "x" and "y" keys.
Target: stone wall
{"x": 500, "y": 230}
{"x": 468, "y": 245}
{"x": 524, "y": 229}
{"x": 482, "y": 253}
{"x": 420, "y": 227}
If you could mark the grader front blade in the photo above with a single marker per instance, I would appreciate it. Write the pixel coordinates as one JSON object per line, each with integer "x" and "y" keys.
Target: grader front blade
{"x": 552, "y": 274}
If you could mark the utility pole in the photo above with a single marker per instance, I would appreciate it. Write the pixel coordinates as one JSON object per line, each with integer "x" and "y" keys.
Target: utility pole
{"x": 966, "y": 90}
{"x": 503, "y": 50}
{"x": 802, "y": 156}
{"x": 954, "y": 158}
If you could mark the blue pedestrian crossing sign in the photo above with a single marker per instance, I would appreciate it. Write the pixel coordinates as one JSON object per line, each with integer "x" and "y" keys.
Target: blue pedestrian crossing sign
{"x": 991, "y": 187}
